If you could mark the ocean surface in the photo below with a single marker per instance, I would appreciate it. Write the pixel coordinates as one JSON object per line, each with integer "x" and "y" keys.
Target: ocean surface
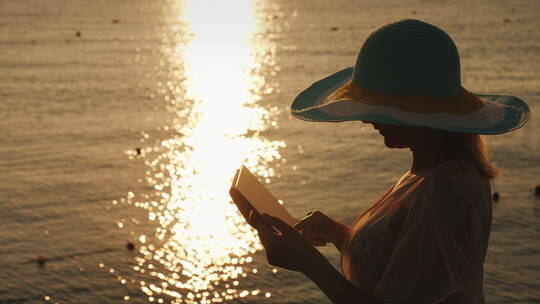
{"x": 123, "y": 121}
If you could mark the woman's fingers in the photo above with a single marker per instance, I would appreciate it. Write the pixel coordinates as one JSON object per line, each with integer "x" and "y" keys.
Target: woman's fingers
{"x": 283, "y": 245}
{"x": 315, "y": 241}
{"x": 316, "y": 223}
{"x": 313, "y": 218}
{"x": 253, "y": 219}
{"x": 265, "y": 232}
{"x": 316, "y": 227}
{"x": 250, "y": 219}
{"x": 278, "y": 223}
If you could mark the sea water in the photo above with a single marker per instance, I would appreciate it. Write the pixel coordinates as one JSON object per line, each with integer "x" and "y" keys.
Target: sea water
{"x": 123, "y": 121}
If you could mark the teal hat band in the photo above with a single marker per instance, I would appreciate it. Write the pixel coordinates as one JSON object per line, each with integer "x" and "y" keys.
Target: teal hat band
{"x": 409, "y": 57}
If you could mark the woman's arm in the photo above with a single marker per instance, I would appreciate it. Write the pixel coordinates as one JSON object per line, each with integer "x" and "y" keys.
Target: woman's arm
{"x": 341, "y": 232}
{"x": 334, "y": 285}
{"x": 290, "y": 250}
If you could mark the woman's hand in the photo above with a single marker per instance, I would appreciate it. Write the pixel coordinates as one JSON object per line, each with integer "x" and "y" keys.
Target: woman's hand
{"x": 319, "y": 229}
{"x": 284, "y": 246}
{"x": 287, "y": 248}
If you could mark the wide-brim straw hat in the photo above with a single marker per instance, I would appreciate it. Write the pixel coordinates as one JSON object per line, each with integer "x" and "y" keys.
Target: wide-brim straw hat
{"x": 408, "y": 73}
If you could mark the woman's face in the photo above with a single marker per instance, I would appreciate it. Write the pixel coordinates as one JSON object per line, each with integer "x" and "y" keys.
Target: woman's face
{"x": 400, "y": 137}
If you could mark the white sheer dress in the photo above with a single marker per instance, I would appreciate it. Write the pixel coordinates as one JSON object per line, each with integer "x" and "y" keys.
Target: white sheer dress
{"x": 425, "y": 239}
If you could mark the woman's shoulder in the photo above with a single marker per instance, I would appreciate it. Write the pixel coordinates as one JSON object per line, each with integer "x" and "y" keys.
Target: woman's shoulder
{"x": 455, "y": 171}
{"x": 458, "y": 179}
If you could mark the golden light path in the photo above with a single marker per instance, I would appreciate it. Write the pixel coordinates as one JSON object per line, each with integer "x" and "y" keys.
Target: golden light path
{"x": 202, "y": 245}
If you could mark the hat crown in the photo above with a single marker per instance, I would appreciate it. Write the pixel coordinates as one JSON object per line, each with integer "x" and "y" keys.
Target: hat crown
{"x": 409, "y": 57}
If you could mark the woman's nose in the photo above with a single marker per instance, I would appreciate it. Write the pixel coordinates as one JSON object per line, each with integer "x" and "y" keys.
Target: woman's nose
{"x": 375, "y": 125}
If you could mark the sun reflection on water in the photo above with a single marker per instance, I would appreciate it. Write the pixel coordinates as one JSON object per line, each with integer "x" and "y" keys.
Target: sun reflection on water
{"x": 201, "y": 244}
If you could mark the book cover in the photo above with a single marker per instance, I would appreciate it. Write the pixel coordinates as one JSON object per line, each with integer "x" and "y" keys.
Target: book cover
{"x": 248, "y": 193}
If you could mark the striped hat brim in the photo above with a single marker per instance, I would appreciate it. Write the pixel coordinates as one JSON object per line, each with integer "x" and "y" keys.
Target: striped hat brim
{"x": 335, "y": 98}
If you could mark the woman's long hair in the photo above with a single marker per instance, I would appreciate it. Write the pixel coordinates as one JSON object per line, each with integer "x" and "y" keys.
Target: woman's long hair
{"x": 471, "y": 147}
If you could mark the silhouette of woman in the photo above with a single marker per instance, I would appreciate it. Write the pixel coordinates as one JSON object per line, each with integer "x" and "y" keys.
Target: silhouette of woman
{"x": 425, "y": 240}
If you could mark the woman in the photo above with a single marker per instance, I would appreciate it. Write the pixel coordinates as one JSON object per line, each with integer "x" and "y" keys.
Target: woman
{"x": 425, "y": 240}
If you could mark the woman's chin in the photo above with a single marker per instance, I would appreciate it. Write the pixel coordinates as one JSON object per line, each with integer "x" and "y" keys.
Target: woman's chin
{"x": 394, "y": 145}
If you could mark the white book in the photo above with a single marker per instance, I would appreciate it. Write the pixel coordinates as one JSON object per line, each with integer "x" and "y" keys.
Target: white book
{"x": 249, "y": 194}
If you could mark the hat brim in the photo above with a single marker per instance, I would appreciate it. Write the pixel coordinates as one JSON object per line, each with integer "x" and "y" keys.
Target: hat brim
{"x": 496, "y": 114}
